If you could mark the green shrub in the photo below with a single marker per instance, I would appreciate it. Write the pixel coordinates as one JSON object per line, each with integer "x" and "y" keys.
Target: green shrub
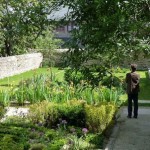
{"x": 44, "y": 112}
{"x": 111, "y": 81}
{"x": 96, "y": 139}
{"x": 57, "y": 144}
{"x": 2, "y": 111}
{"x": 38, "y": 146}
{"x": 73, "y": 112}
{"x": 49, "y": 114}
{"x": 76, "y": 113}
{"x": 7, "y": 142}
{"x": 73, "y": 76}
{"x": 92, "y": 74}
{"x": 25, "y": 136}
{"x": 99, "y": 117}
{"x": 51, "y": 134}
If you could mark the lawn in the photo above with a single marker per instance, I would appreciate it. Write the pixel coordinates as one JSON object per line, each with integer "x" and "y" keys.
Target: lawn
{"x": 144, "y": 84}
{"x": 7, "y": 82}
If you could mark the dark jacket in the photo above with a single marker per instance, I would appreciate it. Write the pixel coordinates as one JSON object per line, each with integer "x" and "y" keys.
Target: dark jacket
{"x": 132, "y": 80}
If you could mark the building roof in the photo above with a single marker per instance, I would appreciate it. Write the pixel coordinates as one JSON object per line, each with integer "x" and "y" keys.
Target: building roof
{"x": 59, "y": 14}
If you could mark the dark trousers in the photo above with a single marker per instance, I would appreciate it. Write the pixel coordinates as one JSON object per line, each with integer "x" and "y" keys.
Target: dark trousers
{"x": 133, "y": 97}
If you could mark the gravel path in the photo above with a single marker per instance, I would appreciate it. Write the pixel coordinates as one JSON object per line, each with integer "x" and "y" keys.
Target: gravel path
{"x": 131, "y": 134}
{"x": 13, "y": 111}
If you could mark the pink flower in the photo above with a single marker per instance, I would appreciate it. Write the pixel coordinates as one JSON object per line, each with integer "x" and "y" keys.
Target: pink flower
{"x": 84, "y": 130}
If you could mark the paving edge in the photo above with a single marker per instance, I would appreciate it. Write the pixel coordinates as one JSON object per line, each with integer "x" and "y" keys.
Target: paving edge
{"x": 115, "y": 132}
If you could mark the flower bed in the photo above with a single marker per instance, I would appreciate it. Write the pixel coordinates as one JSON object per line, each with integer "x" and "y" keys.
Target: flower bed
{"x": 61, "y": 115}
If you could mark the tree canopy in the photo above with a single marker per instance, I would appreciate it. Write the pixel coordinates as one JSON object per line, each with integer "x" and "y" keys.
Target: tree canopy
{"x": 21, "y": 22}
{"x": 113, "y": 27}
{"x": 108, "y": 31}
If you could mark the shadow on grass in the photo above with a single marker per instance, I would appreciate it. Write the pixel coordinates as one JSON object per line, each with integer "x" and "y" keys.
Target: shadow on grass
{"x": 7, "y": 85}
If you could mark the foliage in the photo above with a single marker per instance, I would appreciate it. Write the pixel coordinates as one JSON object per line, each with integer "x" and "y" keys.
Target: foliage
{"x": 44, "y": 87}
{"x": 2, "y": 111}
{"x": 24, "y": 136}
{"x": 47, "y": 87}
{"x": 47, "y": 45}
{"x": 28, "y": 136}
{"x": 112, "y": 82}
{"x": 21, "y": 22}
{"x": 38, "y": 146}
{"x": 106, "y": 33}
{"x": 96, "y": 118}
{"x": 56, "y": 59}
{"x": 9, "y": 82}
{"x": 73, "y": 76}
{"x": 50, "y": 114}
{"x": 44, "y": 113}
{"x": 5, "y": 98}
{"x": 99, "y": 117}
{"x": 110, "y": 95}
{"x": 73, "y": 112}
{"x": 92, "y": 77}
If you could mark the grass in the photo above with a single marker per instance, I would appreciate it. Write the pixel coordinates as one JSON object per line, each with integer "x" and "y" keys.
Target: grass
{"x": 144, "y": 84}
{"x": 7, "y": 82}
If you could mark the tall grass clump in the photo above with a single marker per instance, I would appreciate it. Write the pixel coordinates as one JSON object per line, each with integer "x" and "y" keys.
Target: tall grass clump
{"x": 5, "y": 97}
{"x": 46, "y": 87}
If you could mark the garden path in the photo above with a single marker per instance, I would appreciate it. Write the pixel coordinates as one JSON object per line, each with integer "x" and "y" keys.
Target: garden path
{"x": 131, "y": 134}
{"x": 14, "y": 111}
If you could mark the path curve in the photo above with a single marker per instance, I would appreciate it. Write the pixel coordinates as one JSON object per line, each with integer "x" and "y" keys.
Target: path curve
{"x": 131, "y": 134}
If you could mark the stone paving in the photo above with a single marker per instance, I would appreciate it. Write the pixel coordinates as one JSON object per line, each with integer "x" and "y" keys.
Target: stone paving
{"x": 131, "y": 134}
{"x": 13, "y": 111}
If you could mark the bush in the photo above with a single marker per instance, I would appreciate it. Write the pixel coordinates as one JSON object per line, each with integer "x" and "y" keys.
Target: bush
{"x": 38, "y": 146}
{"x": 99, "y": 117}
{"x": 73, "y": 112}
{"x": 45, "y": 113}
{"x": 76, "y": 113}
{"x": 111, "y": 81}
{"x": 73, "y": 76}
{"x": 18, "y": 136}
{"x": 8, "y": 142}
{"x": 2, "y": 111}
{"x": 49, "y": 114}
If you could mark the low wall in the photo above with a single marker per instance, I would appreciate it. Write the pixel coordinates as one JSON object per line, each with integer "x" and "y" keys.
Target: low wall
{"x": 13, "y": 65}
{"x": 142, "y": 64}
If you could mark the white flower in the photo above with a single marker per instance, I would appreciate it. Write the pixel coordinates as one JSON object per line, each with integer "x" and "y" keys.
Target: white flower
{"x": 66, "y": 147}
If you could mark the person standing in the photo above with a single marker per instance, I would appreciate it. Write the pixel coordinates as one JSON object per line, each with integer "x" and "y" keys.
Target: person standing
{"x": 132, "y": 80}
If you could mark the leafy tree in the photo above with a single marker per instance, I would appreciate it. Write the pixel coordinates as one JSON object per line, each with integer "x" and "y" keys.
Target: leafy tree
{"x": 109, "y": 31}
{"x": 21, "y": 22}
{"x": 47, "y": 45}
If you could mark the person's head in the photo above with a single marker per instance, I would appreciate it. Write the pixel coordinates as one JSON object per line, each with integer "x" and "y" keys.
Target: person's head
{"x": 133, "y": 67}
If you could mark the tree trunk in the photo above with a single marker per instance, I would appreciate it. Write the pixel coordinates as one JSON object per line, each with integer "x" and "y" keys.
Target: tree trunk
{"x": 8, "y": 48}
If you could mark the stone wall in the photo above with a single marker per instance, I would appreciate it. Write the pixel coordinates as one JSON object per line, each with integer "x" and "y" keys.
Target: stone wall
{"x": 142, "y": 63}
{"x": 13, "y": 65}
